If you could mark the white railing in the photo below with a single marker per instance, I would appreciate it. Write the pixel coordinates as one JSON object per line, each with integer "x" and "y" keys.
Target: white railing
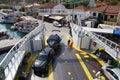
{"x": 110, "y": 46}
{"x": 12, "y": 60}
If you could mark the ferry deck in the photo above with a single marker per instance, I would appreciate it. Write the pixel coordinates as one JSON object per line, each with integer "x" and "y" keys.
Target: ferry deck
{"x": 70, "y": 63}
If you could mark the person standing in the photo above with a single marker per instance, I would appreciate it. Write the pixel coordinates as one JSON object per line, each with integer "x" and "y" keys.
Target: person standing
{"x": 68, "y": 43}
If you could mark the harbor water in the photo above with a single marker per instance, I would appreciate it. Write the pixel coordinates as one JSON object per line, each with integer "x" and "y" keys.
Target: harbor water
{"x": 12, "y": 34}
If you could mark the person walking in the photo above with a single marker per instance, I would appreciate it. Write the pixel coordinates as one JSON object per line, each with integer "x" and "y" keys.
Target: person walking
{"x": 68, "y": 43}
{"x": 71, "y": 44}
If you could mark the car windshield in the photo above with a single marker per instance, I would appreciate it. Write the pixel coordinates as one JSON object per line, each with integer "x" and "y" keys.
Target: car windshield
{"x": 42, "y": 57}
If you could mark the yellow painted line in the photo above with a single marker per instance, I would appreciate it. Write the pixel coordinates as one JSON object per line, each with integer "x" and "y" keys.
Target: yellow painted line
{"x": 50, "y": 73}
{"x": 69, "y": 38}
{"x": 84, "y": 53}
{"x": 30, "y": 62}
{"x": 101, "y": 62}
{"x": 46, "y": 37}
{"x": 103, "y": 78}
{"x": 94, "y": 71}
{"x": 86, "y": 56}
{"x": 84, "y": 67}
{"x": 18, "y": 76}
{"x": 69, "y": 73}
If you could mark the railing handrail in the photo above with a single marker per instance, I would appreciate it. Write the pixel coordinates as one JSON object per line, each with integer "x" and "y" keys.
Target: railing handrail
{"x": 21, "y": 42}
{"x": 107, "y": 44}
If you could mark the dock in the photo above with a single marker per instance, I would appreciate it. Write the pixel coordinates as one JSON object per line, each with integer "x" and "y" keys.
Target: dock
{"x": 7, "y": 44}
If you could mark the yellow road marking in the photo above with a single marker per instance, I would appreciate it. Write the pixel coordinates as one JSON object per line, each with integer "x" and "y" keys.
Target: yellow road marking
{"x": 32, "y": 59}
{"x": 46, "y": 37}
{"x": 50, "y": 72}
{"x": 94, "y": 71}
{"x": 69, "y": 73}
{"x": 86, "y": 56}
{"x": 98, "y": 60}
{"x": 103, "y": 78}
{"x": 84, "y": 67}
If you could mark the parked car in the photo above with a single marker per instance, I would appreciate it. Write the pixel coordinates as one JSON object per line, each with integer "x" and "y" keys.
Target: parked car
{"x": 43, "y": 60}
{"x": 54, "y": 41}
{"x": 111, "y": 72}
{"x": 57, "y": 24}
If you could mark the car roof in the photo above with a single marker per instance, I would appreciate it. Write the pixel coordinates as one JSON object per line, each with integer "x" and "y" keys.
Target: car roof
{"x": 46, "y": 50}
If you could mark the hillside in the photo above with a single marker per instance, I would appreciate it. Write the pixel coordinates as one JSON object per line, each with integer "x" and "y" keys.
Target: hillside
{"x": 109, "y": 2}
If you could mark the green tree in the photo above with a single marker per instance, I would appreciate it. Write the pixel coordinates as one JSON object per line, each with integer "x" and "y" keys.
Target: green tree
{"x": 84, "y": 3}
{"x": 100, "y": 18}
{"x": 113, "y": 2}
{"x": 22, "y": 9}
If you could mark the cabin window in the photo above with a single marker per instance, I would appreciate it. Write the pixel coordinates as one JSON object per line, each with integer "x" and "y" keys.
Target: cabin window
{"x": 94, "y": 14}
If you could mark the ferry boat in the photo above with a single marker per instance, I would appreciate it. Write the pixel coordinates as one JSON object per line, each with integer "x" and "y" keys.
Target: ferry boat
{"x": 81, "y": 61}
{"x": 10, "y": 17}
{"x": 26, "y": 25}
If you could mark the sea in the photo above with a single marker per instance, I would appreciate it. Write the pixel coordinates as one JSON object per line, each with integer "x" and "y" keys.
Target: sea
{"x": 12, "y": 34}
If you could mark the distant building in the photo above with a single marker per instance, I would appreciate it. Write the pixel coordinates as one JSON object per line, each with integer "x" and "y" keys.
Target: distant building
{"x": 111, "y": 13}
{"x": 32, "y": 8}
{"x": 96, "y": 11}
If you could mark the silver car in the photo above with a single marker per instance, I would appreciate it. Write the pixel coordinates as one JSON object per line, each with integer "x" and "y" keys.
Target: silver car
{"x": 111, "y": 72}
{"x": 57, "y": 24}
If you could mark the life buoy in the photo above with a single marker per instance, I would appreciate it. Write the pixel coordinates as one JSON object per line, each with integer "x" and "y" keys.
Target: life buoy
{"x": 94, "y": 44}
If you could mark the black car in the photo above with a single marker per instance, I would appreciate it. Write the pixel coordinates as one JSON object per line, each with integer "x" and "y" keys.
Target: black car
{"x": 54, "y": 41}
{"x": 43, "y": 60}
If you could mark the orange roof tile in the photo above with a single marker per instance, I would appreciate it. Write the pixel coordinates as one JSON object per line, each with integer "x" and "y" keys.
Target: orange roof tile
{"x": 98, "y": 9}
{"x": 81, "y": 8}
{"x": 113, "y": 9}
{"x": 47, "y": 5}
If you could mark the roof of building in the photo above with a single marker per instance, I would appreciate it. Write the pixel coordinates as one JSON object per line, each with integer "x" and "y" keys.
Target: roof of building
{"x": 98, "y": 9}
{"x": 81, "y": 8}
{"x": 108, "y": 9}
{"x": 49, "y": 5}
{"x": 113, "y": 9}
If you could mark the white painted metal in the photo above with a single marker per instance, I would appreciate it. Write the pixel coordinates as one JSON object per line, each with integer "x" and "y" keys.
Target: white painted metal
{"x": 12, "y": 60}
{"x": 109, "y": 45}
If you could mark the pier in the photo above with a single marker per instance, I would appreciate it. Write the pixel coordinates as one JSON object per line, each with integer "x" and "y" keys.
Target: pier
{"x": 7, "y": 44}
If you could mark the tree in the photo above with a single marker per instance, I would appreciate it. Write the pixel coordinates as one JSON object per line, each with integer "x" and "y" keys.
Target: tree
{"x": 22, "y": 9}
{"x": 113, "y": 2}
{"x": 100, "y": 18}
{"x": 84, "y": 3}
